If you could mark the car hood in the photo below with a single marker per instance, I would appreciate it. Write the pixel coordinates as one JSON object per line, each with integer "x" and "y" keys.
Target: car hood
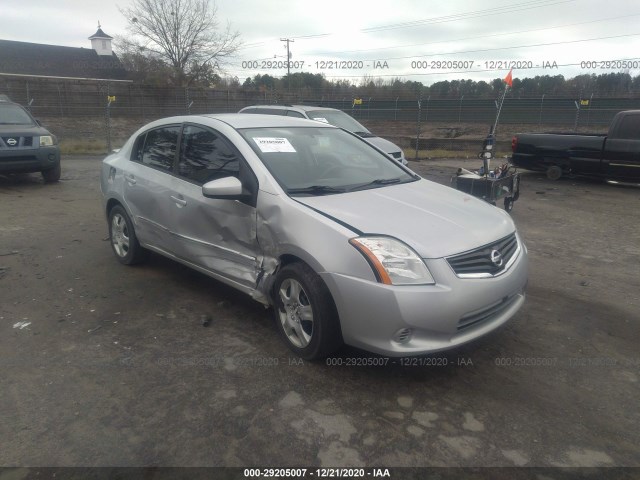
{"x": 435, "y": 220}
{"x": 384, "y": 145}
{"x": 23, "y": 130}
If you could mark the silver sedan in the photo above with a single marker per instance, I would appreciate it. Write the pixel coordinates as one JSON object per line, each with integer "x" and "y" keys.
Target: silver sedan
{"x": 347, "y": 245}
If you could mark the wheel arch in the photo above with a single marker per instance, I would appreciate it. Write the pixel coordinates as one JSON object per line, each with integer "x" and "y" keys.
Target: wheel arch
{"x": 112, "y": 202}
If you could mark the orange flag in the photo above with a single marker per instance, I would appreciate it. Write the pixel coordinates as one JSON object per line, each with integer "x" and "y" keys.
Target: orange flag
{"x": 509, "y": 78}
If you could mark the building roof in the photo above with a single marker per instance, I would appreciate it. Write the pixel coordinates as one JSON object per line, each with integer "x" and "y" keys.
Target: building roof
{"x": 39, "y": 60}
{"x": 100, "y": 34}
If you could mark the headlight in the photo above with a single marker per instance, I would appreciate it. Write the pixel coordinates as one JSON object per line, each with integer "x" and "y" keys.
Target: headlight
{"x": 46, "y": 140}
{"x": 393, "y": 262}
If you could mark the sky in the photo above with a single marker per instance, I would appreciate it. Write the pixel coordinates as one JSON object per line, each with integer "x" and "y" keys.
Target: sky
{"x": 418, "y": 40}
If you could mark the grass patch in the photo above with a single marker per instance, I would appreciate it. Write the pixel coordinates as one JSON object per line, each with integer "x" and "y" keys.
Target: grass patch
{"x": 89, "y": 146}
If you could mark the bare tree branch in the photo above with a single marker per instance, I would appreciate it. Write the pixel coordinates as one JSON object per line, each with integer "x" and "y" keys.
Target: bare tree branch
{"x": 182, "y": 33}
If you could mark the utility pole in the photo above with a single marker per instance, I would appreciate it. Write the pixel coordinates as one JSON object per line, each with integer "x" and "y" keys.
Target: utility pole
{"x": 288, "y": 40}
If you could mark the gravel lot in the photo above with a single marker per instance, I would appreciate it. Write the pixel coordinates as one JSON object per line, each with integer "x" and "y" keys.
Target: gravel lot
{"x": 106, "y": 365}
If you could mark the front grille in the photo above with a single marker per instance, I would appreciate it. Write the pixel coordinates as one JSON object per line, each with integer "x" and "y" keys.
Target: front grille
{"x": 484, "y": 261}
{"x": 16, "y": 142}
{"x": 478, "y": 318}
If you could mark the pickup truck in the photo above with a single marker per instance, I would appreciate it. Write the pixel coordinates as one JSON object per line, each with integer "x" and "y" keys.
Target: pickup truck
{"x": 615, "y": 156}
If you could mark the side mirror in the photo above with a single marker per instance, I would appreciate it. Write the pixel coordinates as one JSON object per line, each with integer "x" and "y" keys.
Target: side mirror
{"x": 226, "y": 187}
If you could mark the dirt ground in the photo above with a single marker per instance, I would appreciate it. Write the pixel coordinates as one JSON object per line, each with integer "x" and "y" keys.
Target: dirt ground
{"x": 107, "y": 365}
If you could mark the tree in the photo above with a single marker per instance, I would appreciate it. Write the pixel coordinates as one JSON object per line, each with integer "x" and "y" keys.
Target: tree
{"x": 143, "y": 68}
{"x": 184, "y": 34}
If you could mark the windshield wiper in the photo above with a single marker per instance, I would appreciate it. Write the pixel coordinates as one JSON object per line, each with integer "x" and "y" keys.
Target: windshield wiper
{"x": 316, "y": 190}
{"x": 377, "y": 181}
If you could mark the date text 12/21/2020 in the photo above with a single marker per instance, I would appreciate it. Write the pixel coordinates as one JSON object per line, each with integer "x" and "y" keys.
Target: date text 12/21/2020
{"x": 437, "y": 65}
{"x": 421, "y": 65}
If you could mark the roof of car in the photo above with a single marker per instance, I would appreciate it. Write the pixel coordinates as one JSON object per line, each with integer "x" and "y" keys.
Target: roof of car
{"x": 304, "y": 108}
{"x": 241, "y": 120}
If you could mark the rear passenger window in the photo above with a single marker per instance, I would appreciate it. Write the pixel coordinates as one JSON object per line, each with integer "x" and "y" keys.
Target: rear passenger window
{"x": 629, "y": 128}
{"x": 205, "y": 156}
{"x": 291, "y": 113}
{"x": 157, "y": 148}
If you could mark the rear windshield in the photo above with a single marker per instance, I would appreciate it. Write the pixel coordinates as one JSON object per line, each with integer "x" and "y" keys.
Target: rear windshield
{"x": 14, "y": 115}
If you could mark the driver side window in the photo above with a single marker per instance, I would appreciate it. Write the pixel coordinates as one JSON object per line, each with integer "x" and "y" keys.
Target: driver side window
{"x": 205, "y": 156}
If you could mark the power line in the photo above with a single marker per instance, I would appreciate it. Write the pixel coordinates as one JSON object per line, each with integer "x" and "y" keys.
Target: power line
{"x": 478, "y": 36}
{"x": 452, "y": 18}
{"x": 503, "y": 48}
{"x": 467, "y": 15}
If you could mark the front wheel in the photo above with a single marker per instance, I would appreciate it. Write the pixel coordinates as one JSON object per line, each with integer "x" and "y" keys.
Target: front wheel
{"x": 122, "y": 236}
{"x": 305, "y": 313}
{"x": 52, "y": 175}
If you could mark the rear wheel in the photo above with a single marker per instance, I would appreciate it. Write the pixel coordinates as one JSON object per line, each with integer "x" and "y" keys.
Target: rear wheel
{"x": 305, "y": 312}
{"x": 554, "y": 172}
{"x": 122, "y": 236}
{"x": 52, "y": 175}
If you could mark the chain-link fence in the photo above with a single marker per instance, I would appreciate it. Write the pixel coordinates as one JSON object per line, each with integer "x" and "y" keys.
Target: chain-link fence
{"x": 109, "y": 112}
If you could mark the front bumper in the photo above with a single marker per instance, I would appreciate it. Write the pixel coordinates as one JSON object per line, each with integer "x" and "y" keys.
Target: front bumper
{"x": 415, "y": 320}
{"x": 27, "y": 160}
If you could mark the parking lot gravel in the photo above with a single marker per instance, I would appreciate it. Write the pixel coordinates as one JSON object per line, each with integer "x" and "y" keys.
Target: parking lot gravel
{"x": 158, "y": 365}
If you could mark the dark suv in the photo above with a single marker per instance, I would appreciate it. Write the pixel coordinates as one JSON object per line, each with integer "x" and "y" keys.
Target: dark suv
{"x": 26, "y": 146}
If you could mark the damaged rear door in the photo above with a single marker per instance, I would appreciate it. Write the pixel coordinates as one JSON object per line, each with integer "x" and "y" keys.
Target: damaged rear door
{"x": 218, "y": 235}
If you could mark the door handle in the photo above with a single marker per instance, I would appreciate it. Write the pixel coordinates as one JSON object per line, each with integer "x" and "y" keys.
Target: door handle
{"x": 181, "y": 202}
{"x": 131, "y": 179}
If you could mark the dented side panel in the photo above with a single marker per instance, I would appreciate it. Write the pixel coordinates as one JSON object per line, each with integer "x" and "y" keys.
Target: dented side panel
{"x": 285, "y": 227}
{"x": 217, "y": 234}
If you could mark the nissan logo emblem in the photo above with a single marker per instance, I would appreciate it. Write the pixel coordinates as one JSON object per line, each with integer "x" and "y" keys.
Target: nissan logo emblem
{"x": 496, "y": 258}
{"x": 12, "y": 141}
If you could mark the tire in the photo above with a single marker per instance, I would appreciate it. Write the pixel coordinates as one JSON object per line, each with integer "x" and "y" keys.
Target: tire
{"x": 554, "y": 172}
{"x": 508, "y": 204}
{"x": 305, "y": 312}
{"x": 516, "y": 188}
{"x": 122, "y": 238}
{"x": 52, "y": 175}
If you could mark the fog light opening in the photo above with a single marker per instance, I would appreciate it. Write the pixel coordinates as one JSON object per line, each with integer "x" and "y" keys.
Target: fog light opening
{"x": 403, "y": 336}
{"x": 52, "y": 157}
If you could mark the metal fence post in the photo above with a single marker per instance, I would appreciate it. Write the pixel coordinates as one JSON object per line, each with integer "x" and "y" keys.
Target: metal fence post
{"x": 460, "y": 110}
{"x": 60, "y": 101}
{"x": 108, "y": 120}
{"x": 395, "y": 116}
{"x": 540, "y": 118}
{"x": 418, "y": 130}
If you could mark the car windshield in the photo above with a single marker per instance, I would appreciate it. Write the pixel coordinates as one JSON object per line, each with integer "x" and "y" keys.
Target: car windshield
{"x": 14, "y": 115}
{"x": 339, "y": 119}
{"x": 313, "y": 161}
